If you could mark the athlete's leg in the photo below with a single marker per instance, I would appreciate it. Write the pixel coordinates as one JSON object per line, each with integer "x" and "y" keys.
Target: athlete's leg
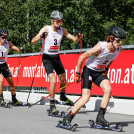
{"x": 52, "y": 79}
{"x": 86, "y": 93}
{"x": 1, "y": 84}
{"x": 11, "y": 84}
{"x": 63, "y": 97}
{"x": 12, "y": 88}
{"x": 106, "y": 86}
{"x": 1, "y": 90}
{"x": 62, "y": 78}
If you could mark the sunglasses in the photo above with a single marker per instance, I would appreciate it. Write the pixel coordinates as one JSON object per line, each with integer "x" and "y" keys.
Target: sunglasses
{"x": 118, "y": 39}
{"x": 4, "y": 37}
{"x": 58, "y": 21}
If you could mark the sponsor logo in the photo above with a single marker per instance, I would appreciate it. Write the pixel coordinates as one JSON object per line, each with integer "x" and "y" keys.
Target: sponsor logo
{"x": 90, "y": 78}
{"x": 52, "y": 51}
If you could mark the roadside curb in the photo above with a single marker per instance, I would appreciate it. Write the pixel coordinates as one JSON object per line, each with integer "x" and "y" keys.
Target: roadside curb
{"x": 121, "y": 106}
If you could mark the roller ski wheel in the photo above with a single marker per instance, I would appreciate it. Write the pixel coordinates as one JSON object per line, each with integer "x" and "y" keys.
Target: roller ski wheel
{"x": 68, "y": 127}
{"x": 117, "y": 127}
{"x": 91, "y": 123}
{"x": 5, "y": 105}
{"x": 74, "y": 127}
{"x": 63, "y": 114}
{"x": 8, "y": 105}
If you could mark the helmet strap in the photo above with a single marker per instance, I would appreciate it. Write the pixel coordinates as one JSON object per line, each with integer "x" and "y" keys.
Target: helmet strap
{"x": 55, "y": 27}
{"x": 112, "y": 44}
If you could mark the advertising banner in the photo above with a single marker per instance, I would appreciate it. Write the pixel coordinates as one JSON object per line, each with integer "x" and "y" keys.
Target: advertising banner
{"x": 121, "y": 73}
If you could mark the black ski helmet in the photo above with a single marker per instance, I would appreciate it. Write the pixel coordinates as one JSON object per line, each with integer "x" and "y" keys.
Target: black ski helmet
{"x": 3, "y": 32}
{"x": 117, "y": 32}
{"x": 56, "y": 15}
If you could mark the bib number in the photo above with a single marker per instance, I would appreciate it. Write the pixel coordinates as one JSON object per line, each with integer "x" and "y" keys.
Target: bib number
{"x": 55, "y": 41}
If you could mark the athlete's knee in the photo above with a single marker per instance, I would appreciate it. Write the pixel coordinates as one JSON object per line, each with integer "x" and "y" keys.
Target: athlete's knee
{"x": 11, "y": 86}
{"x": 85, "y": 99}
{"x": 53, "y": 81}
{"x": 11, "y": 83}
{"x": 108, "y": 91}
{"x": 1, "y": 82}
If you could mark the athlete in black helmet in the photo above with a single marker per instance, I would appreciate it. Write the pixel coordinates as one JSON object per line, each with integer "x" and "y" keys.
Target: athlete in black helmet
{"x": 3, "y": 32}
{"x": 53, "y": 35}
{"x": 4, "y": 70}
{"x": 100, "y": 57}
{"x": 118, "y": 33}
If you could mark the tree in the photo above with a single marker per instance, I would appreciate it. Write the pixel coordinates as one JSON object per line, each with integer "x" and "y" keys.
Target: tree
{"x": 24, "y": 19}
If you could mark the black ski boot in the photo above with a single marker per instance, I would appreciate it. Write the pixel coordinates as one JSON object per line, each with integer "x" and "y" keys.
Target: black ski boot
{"x": 2, "y": 102}
{"x": 67, "y": 120}
{"x": 66, "y": 123}
{"x": 52, "y": 111}
{"x": 100, "y": 120}
{"x": 15, "y": 102}
{"x": 65, "y": 99}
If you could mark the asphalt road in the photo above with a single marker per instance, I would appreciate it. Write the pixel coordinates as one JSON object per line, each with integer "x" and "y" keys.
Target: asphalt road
{"x": 35, "y": 120}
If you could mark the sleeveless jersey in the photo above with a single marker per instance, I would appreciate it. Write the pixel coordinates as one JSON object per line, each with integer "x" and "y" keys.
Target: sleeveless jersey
{"x": 52, "y": 41}
{"x": 100, "y": 62}
{"x": 4, "y": 52}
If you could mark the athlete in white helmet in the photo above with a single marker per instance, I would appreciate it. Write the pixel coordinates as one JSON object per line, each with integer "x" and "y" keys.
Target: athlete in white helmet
{"x": 4, "y": 70}
{"x": 53, "y": 35}
{"x": 100, "y": 57}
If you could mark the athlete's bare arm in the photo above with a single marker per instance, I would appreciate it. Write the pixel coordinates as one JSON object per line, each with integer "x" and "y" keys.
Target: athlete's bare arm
{"x": 96, "y": 50}
{"x": 38, "y": 36}
{"x": 14, "y": 47}
{"x": 70, "y": 37}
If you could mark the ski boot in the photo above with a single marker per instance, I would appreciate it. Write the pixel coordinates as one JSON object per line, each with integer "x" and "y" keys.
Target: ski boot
{"x": 66, "y": 123}
{"x": 3, "y": 103}
{"x": 15, "y": 102}
{"x": 53, "y": 111}
{"x": 100, "y": 120}
{"x": 66, "y": 100}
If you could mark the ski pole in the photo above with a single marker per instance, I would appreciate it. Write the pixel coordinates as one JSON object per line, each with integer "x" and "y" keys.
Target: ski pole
{"x": 18, "y": 69}
{"x": 81, "y": 46}
{"x": 35, "y": 70}
{"x": 49, "y": 95}
{"x": 77, "y": 99}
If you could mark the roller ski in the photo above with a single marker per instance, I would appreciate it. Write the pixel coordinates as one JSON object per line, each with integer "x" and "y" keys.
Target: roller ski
{"x": 55, "y": 113}
{"x": 66, "y": 123}
{"x": 69, "y": 127}
{"x": 117, "y": 127}
{"x": 65, "y": 101}
{"x": 102, "y": 123}
{"x": 19, "y": 104}
{"x": 3, "y": 103}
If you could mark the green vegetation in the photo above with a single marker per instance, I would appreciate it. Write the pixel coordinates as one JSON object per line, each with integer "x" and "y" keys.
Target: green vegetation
{"x": 24, "y": 18}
